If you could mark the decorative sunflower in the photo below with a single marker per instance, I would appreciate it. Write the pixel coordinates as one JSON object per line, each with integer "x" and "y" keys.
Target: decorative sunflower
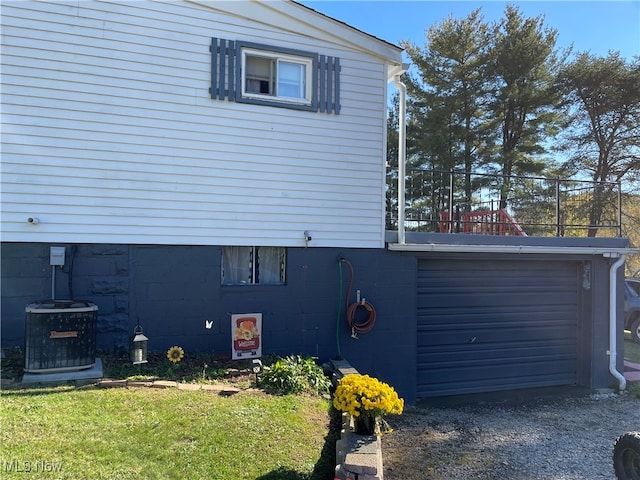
{"x": 175, "y": 354}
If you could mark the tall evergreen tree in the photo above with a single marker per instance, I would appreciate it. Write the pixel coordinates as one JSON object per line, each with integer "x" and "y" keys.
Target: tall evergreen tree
{"x": 524, "y": 68}
{"x": 605, "y": 136}
{"x": 447, "y": 105}
{"x": 490, "y": 98}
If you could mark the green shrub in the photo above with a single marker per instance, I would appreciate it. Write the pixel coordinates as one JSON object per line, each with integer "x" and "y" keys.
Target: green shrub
{"x": 11, "y": 366}
{"x": 294, "y": 374}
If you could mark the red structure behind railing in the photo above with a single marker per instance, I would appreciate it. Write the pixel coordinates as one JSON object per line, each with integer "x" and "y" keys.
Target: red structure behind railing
{"x": 481, "y": 222}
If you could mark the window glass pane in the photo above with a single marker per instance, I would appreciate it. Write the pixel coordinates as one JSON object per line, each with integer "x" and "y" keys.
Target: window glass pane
{"x": 259, "y": 75}
{"x": 271, "y": 265}
{"x": 236, "y": 265}
{"x": 250, "y": 265}
{"x": 291, "y": 79}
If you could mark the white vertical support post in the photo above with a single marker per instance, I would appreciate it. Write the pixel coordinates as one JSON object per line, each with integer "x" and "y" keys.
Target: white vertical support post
{"x": 402, "y": 151}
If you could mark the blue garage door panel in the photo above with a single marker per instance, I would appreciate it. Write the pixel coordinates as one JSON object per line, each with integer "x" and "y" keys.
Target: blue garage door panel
{"x": 495, "y": 325}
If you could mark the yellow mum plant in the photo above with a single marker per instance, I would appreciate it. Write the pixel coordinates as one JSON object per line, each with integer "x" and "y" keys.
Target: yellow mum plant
{"x": 364, "y": 395}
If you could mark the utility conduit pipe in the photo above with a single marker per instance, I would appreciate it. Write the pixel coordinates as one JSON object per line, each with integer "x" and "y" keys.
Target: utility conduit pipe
{"x": 613, "y": 319}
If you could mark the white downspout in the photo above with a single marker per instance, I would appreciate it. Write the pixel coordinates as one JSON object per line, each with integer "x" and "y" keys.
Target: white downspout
{"x": 613, "y": 319}
{"x": 402, "y": 154}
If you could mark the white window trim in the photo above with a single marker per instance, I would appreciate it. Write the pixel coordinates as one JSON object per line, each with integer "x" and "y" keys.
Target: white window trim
{"x": 303, "y": 60}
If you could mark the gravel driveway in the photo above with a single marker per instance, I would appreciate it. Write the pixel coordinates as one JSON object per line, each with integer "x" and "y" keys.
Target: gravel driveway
{"x": 566, "y": 438}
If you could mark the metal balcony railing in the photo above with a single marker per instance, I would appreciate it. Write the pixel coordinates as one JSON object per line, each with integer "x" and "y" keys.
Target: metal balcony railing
{"x": 479, "y": 203}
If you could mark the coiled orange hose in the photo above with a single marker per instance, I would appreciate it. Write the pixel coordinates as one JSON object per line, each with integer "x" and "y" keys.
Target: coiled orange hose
{"x": 367, "y": 325}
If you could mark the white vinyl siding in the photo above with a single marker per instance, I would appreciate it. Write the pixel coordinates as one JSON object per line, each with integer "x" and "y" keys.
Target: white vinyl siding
{"x": 110, "y": 134}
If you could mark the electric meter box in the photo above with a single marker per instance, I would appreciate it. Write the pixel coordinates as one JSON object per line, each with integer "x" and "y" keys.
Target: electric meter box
{"x": 56, "y": 256}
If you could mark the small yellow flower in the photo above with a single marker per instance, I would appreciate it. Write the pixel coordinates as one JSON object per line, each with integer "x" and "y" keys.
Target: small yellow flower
{"x": 175, "y": 354}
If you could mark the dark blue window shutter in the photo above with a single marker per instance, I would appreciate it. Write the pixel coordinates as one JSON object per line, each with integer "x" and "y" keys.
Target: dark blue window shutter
{"x": 223, "y": 69}
{"x": 328, "y": 84}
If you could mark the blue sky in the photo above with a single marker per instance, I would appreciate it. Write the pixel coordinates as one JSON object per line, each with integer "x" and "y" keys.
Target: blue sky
{"x": 595, "y": 26}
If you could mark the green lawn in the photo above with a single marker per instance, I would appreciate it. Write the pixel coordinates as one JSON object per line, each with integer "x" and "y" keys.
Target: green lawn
{"x": 149, "y": 433}
{"x": 631, "y": 349}
{"x": 632, "y": 353}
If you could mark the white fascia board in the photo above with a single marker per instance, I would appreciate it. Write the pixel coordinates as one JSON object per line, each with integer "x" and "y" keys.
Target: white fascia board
{"x": 518, "y": 249}
{"x": 315, "y": 24}
{"x": 396, "y": 70}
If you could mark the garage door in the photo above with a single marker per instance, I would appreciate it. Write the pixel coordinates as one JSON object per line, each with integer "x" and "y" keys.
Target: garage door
{"x": 495, "y": 325}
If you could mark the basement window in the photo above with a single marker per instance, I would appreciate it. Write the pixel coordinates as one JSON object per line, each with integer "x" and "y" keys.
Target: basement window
{"x": 274, "y": 76}
{"x": 253, "y": 265}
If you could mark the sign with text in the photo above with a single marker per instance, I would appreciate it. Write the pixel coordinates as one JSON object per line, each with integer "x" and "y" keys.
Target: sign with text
{"x": 246, "y": 330}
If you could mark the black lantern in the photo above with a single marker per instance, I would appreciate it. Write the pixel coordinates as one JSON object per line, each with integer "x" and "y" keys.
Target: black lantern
{"x": 138, "y": 346}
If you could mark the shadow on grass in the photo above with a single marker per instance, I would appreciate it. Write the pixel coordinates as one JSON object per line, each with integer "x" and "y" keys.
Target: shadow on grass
{"x": 37, "y": 389}
{"x": 283, "y": 473}
{"x": 324, "y": 468}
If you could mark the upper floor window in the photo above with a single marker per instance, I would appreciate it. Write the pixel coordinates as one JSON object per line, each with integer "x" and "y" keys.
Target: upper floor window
{"x": 277, "y": 76}
{"x": 274, "y": 76}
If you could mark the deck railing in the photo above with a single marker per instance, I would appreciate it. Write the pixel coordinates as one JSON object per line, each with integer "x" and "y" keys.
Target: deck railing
{"x": 480, "y": 203}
